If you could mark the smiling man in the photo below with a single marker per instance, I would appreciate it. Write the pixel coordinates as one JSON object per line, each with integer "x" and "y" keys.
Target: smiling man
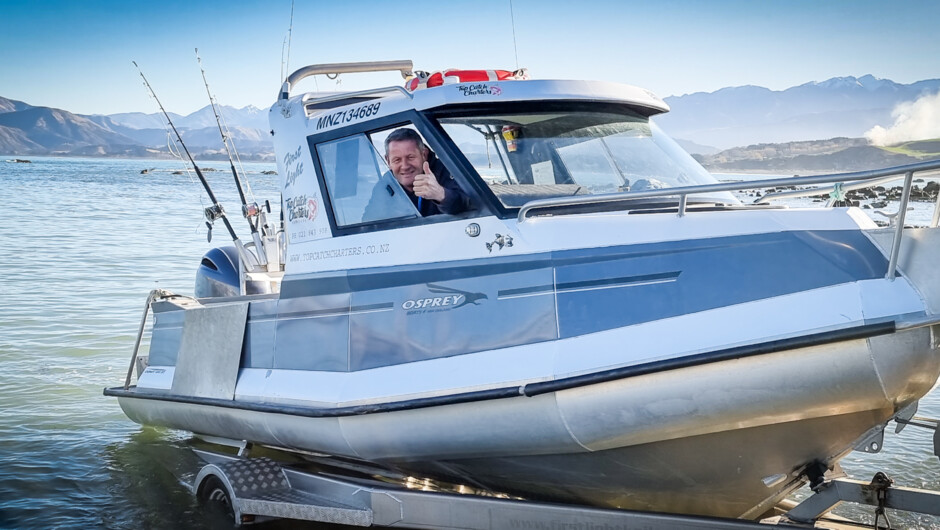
{"x": 431, "y": 188}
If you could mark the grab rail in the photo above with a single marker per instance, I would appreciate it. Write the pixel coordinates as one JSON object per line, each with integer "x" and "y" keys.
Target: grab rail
{"x": 870, "y": 178}
{"x": 405, "y": 67}
{"x": 684, "y": 191}
{"x": 823, "y": 190}
{"x": 155, "y": 294}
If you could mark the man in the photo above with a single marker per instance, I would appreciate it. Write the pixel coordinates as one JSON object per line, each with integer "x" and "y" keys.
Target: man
{"x": 431, "y": 188}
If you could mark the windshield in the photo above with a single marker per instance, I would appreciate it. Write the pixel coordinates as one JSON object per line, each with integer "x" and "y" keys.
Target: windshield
{"x": 528, "y": 156}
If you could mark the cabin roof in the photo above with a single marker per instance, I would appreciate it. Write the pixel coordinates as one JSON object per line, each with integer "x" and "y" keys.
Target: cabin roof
{"x": 489, "y": 92}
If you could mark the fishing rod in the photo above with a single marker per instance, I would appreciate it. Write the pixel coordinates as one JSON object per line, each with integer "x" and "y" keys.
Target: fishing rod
{"x": 215, "y": 211}
{"x": 252, "y": 211}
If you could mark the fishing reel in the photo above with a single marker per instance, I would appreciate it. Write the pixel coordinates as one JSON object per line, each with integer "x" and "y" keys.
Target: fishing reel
{"x": 253, "y": 209}
{"x": 257, "y": 216}
{"x": 212, "y": 214}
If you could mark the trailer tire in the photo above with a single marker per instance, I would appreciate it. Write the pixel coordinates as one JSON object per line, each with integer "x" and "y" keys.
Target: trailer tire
{"x": 215, "y": 499}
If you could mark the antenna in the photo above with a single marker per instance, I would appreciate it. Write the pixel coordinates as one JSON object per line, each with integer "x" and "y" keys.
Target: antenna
{"x": 290, "y": 32}
{"x": 515, "y": 49}
{"x": 285, "y": 63}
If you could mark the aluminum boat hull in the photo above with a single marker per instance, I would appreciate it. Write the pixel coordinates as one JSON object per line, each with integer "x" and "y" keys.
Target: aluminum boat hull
{"x": 704, "y": 439}
{"x": 600, "y": 322}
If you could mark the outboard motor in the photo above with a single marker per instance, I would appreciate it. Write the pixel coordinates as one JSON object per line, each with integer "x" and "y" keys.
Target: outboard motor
{"x": 218, "y": 274}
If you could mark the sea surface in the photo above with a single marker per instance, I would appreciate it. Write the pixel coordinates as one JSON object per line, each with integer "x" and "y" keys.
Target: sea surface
{"x": 82, "y": 243}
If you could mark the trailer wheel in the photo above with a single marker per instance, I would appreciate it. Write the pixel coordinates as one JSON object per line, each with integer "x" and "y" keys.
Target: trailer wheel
{"x": 215, "y": 500}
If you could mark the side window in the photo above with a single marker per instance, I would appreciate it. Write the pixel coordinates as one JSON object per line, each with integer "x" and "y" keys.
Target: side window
{"x": 360, "y": 185}
{"x": 409, "y": 157}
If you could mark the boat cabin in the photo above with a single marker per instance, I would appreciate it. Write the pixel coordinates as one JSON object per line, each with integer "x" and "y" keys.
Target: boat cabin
{"x": 503, "y": 143}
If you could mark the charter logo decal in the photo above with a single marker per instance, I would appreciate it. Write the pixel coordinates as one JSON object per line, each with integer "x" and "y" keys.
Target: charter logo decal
{"x": 312, "y": 208}
{"x": 447, "y": 299}
{"x": 302, "y": 208}
{"x": 479, "y": 89}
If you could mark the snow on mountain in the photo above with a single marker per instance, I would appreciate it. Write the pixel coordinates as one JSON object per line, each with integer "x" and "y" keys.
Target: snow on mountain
{"x": 837, "y": 107}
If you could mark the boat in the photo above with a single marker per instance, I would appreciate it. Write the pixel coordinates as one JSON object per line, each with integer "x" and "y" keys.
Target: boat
{"x": 604, "y": 324}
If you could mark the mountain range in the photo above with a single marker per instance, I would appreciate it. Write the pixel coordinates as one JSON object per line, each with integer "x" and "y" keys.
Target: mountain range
{"x": 744, "y": 115}
{"x": 704, "y": 123}
{"x": 31, "y": 130}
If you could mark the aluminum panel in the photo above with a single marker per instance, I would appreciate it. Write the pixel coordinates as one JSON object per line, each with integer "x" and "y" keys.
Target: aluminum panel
{"x": 440, "y": 319}
{"x": 312, "y": 333}
{"x": 166, "y": 335}
{"x": 917, "y": 259}
{"x": 259, "y": 334}
{"x": 631, "y": 285}
{"x": 210, "y": 351}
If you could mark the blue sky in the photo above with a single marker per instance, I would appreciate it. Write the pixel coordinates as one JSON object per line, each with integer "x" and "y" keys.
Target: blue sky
{"x": 77, "y": 55}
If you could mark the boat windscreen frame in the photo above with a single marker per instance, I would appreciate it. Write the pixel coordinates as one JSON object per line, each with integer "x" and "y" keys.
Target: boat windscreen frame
{"x": 444, "y": 151}
{"x": 546, "y": 107}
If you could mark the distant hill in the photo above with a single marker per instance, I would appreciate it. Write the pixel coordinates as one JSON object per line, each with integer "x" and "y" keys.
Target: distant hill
{"x": 29, "y": 130}
{"x": 10, "y": 105}
{"x": 57, "y": 131}
{"x": 837, "y": 107}
{"x": 819, "y": 156}
{"x": 249, "y": 117}
{"x": 17, "y": 142}
{"x": 137, "y": 120}
{"x": 696, "y": 149}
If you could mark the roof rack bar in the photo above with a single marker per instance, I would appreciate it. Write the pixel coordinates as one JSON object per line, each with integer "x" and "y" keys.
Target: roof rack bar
{"x": 405, "y": 67}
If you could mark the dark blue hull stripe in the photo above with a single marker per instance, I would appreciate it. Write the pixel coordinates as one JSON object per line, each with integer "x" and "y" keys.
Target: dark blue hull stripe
{"x": 331, "y": 312}
{"x": 604, "y": 283}
{"x": 533, "y": 389}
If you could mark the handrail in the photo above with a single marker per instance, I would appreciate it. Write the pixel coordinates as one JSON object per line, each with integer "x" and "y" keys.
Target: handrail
{"x": 896, "y": 243}
{"x": 824, "y": 190}
{"x": 405, "y": 67}
{"x": 154, "y": 295}
{"x": 684, "y": 191}
{"x": 870, "y": 178}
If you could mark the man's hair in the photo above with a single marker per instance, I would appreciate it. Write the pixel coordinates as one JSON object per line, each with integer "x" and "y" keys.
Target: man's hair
{"x": 402, "y": 135}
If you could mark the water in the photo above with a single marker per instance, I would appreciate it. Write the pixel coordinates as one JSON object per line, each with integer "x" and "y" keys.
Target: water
{"x": 84, "y": 241}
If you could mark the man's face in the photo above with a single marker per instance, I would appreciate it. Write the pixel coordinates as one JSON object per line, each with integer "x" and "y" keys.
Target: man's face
{"x": 406, "y": 160}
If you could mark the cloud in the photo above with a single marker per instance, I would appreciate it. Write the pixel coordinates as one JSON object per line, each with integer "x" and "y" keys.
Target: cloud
{"x": 913, "y": 120}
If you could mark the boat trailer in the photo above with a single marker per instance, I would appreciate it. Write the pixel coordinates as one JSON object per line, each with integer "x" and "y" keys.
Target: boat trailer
{"x": 256, "y": 489}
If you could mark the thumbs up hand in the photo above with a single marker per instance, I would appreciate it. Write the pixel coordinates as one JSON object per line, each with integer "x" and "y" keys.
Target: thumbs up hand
{"x": 427, "y": 187}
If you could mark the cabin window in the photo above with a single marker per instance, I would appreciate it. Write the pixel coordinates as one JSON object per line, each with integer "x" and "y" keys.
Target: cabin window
{"x": 528, "y": 156}
{"x": 361, "y": 187}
